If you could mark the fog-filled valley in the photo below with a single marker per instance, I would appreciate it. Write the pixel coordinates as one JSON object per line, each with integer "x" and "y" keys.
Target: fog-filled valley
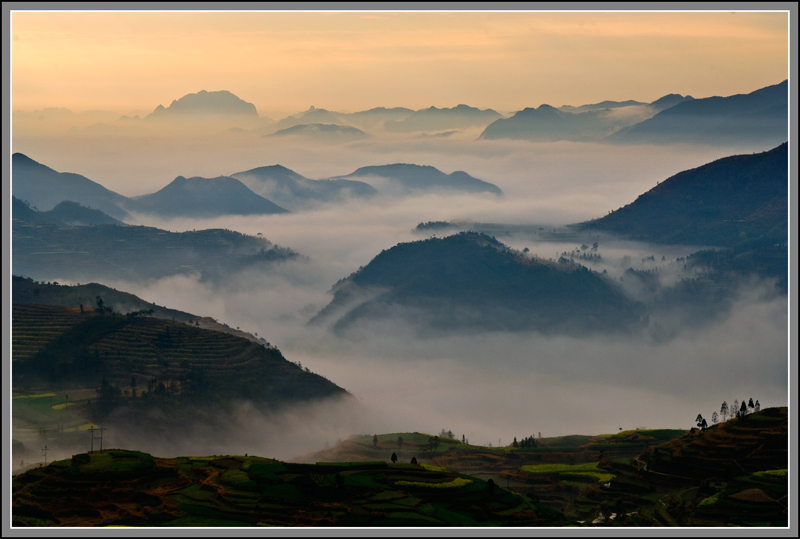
{"x": 686, "y": 352}
{"x": 352, "y": 269}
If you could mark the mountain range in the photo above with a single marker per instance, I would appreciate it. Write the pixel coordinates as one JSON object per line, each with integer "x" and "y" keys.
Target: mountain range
{"x": 293, "y": 191}
{"x": 408, "y": 177}
{"x": 44, "y": 188}
{"x": 65, "y": 213}
{"x": 261, "y": 191}
{"x": 721, "y": 203}
{"x": 471, "y": 281}
{"x": 222, "y": 103}
{"x": 323, "y": 132}
{"x": 758, "y": 117}
{"x": 47, "y": 249}
{"x": 436, "y": 119}
{"x": 204, "y": 197}
{"x": 396, "y": 120}
{"x": 584, "y": 123}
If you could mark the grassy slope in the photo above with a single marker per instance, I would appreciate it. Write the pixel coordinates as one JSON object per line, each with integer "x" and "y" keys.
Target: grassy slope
{"x": 26, "y": 290}
{"x": 58, "y": 345}
{"x": 135, "y": 489}
{"x": 733, "y": 473}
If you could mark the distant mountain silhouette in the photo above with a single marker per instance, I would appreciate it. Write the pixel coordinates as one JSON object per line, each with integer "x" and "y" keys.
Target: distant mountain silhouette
{"x": 443, "y": 134}
{"x": 378, "y": 115}
{"x": 22, "y": 212}
{"x": 422, "y": 177}
{"x": 601, "y": 106}
{"x": 46, "y": 250}
{"x": 44, "y": 188}
{"x": 74, "y": 214}
{"x": 584, "y": 123}
{"x": 293, "y": 191}
{"x": 205, "y": 103}
{"x": 328, "y": 132}
{"x": 670, "y": 100}
{"x": 204, "y": 197}
{"x": 737, "y": 198}
{"x": 759, "y": 117}
{"x": 311, "y": 116}
{"x": 469, "y": 282}
{"x": 371, "y": 118}
{"x": 435, "y": 119}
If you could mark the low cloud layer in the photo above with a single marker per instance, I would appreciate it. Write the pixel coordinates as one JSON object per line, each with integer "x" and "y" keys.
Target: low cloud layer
{"x": 582, "y": 179}
{"x": 499, "y": 385}
{"x": 490, "y": 386}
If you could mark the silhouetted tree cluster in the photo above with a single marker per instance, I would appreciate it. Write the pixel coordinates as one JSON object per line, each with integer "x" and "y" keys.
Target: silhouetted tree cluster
{"x": 108, "y": 393}
{"x": 433, "y": 443}
{"x": 701, "y": 423}
{"x": 143, "y": 312}
{"x": 530, "y": 441}
{"x": 101, "y": 308}
{"x": 737, "y": 410}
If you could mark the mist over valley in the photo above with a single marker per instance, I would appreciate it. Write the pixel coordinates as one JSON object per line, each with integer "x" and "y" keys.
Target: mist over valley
{"x": 206, "y": 280}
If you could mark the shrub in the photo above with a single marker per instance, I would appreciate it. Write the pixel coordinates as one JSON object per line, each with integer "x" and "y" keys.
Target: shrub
{"x": 711, "y": 500}
{"x": 82, "y": 458}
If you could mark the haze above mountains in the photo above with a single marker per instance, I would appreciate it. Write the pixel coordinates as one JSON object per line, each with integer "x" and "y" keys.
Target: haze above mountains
{"x": 639, "y": 291}
{"x": 712, "y": 120}
{"x": 464, "y": 282}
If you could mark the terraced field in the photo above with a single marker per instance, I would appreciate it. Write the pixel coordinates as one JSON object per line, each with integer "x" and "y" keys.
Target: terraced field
{"x": 59, "y": 345}
{"x": 158, "y": 348}
{"x": 734, "y": 473}
{"x": 35, "y": 326}
{"x": 129, "y": 488}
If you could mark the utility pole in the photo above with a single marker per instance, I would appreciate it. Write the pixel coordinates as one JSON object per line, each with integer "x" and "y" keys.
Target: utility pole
{"x": 45, "y": 454}
{"x": 92, "y": 429}
{"x": 101, "y": 429}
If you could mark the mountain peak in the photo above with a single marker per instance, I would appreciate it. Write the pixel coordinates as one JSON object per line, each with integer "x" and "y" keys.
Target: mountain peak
{"x": 21, "y": 158}
{"x": 669, "y": 100}
{"x": 204, "y": 102}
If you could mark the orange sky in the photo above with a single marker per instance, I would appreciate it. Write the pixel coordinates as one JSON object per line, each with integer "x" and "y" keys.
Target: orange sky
{"x": 355, "y": 61}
